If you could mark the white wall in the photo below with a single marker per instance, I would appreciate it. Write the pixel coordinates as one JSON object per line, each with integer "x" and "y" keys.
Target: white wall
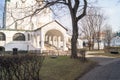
{"x": 16, "y": 44}
{"x": 20, "y": 10}
{"x": 115, "y": 41}
{"x": 101, "y": 45}
{"x": 9, "y": 44}
{"x": 80, "y": 44}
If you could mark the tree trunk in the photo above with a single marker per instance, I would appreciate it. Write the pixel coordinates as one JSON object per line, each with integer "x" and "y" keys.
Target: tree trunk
{"x": 98, "y": 45}
{"x": 89, "y": 46}
{"x": 98, "y": 39}
{"x": 75, "y": 18}
{"x": 74, "y": 40}
{"x": 93, "y": 41}
{"x": 108, "y": 44}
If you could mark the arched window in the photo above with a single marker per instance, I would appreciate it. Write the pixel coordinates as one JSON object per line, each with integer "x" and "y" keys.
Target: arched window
{"x": 2, "y": 36}
{"x": 19, "y": 37}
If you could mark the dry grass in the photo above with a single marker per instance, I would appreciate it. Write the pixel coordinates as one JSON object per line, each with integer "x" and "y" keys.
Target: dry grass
{"x": 64, "y": 68}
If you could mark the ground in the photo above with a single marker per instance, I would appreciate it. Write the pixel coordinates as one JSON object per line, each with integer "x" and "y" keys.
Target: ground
{"x": 107, "y": 69}
{"x": 107, "y": 72}
{"x": 64, "y": 68}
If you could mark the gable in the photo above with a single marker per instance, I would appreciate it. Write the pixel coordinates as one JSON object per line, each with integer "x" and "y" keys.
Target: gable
{"x": 53, "y": 23}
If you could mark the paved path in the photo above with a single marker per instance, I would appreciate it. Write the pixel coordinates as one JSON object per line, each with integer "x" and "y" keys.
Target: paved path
{"x": 109, "y": 71}
{"x": 103, "y": 60}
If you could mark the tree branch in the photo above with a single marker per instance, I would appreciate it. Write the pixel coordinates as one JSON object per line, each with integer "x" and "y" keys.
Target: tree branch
{"x": 76, "y": 6}
{"x": 84, "y": 11}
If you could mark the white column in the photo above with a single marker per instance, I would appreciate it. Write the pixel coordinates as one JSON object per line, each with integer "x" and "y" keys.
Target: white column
{"x": 38, "y": 39}
{"x": 26, "y": 38}
{"x": 42, "y": 40}
{"x": 49, "y": 39}
{"x": 53, "y": 43}
{"x": 58, "y": 42}
{"x": 64, "y": 43}
{"x": 46, "y": 38}
{"x": 34, "y": 40}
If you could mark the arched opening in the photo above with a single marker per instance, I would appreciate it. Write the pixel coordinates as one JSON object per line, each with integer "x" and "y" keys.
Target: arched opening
{"x": 54, "y": 38}
{"x": 2, "y": 36}
{"x": 2, "y": 49}
{"x": 19, "y": 37}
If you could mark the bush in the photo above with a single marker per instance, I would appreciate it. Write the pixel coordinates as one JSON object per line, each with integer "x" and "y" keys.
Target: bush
{"x": 22, "y": 52}
{"x": 20, "y": 67}
{"x": 112, "y": 49}
{"x": 82, "y": 53}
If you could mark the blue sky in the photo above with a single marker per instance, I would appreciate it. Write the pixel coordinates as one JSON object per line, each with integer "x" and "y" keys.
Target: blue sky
{"x": 111, "y": 8}
{"x": 1, "y": 11}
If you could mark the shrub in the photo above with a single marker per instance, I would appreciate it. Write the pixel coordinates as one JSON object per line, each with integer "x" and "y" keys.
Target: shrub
{"x": 20, "y": 67}
{"x": 112, "y": 49}
{"x": 82, "y": 53}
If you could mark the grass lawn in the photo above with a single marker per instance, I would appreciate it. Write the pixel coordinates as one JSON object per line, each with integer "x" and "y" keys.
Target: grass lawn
{"x": 64, "y": 68}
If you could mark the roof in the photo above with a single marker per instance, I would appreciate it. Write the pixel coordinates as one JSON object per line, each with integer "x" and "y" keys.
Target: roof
{"x": 50, "y": 23}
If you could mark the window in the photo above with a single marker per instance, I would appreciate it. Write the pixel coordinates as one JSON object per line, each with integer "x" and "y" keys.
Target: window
{"x": 19, "y": 37}
{"x": 2, "y": 36}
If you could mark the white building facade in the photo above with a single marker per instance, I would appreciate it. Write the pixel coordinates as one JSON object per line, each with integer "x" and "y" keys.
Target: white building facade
{"x": 31, "y": 33}
{"x": 115, "y": 41}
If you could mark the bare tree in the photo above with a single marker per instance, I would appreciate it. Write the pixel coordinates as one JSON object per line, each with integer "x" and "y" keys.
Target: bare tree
{"x": 91, "y": 26}
{"x": 100, "y": 18}
{"x": 87, "y": 29}
{"x": 77, "y": 10}
{"x": 75, "y": 18}
{"x": 108, "y": 35}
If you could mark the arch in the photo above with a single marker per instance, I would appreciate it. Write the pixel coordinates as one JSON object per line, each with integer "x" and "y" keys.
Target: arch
{"x": 51, "y": 30}
{"x": 2, "y": 48}
{"x": 55, "y": 37}
{"x": 54, "y": 32}
{"x": 19, "y": 37}
{"x": 54, "y": 25}
{"x": 2, "y": 36}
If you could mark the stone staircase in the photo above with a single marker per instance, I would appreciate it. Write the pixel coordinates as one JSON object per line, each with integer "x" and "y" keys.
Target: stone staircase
{"x": 52, "y": 50}
{"x": 50, "y": 47}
